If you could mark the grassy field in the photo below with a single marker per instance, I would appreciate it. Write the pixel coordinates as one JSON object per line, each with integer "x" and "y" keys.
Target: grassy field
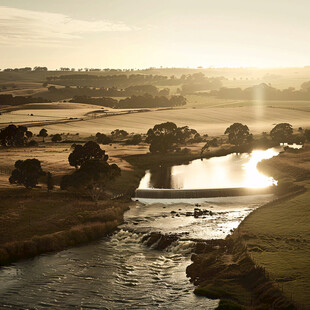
{"x": 54, "y": 157}
{"x": 21, "y": 88}
{"x": 278, "y": 235}
{"x": 213, "y": 120}
{"x": 25, "y": 213}
{"x": 34, "y": 221}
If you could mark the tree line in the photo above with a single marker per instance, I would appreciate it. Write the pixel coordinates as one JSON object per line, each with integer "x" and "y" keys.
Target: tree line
{"x": 8, "y": 99}
{"x": 92, "y": 170}
{"x": 70, "y": 92}
{"x": 145, "y": 101}
{"x": 263, "y": 92}
{"x": 25, "y": 69}
{"x": 196, "y": 81}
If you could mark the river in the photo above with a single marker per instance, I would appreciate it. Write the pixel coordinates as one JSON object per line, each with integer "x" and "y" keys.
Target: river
{"x": 120, "y": 271}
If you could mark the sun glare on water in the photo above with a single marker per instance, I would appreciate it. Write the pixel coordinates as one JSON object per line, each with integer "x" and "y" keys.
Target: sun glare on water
{"x": 253, "y": 178}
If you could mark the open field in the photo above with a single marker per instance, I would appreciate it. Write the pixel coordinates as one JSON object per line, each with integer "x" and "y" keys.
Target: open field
{"x": 21, "y": 88}
{"x": 212, "y": 121}
{"x": 54, "y": 157}
{"x": 278, "y": 235}
{"x": 40, "y": 112}
{"x": 36, "y": 114}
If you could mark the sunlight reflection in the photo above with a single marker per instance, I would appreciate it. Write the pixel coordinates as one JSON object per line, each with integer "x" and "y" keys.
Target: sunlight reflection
{"x": 230, "y": 171}
{"x": 253, "y": 178}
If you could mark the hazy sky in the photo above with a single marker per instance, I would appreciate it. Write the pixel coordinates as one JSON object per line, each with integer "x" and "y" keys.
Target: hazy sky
{"x": 145, "y": 33}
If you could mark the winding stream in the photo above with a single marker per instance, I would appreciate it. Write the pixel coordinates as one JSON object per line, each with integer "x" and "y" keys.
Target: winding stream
{"x": 120, "y": 271}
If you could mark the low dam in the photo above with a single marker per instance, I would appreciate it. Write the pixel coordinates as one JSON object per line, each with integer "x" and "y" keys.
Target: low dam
{"x": 224, "y": 176}
{"x": 201, "y": 193}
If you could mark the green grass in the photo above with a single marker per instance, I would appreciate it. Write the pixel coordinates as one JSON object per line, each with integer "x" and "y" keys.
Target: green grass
{"x": 278, "y": 237}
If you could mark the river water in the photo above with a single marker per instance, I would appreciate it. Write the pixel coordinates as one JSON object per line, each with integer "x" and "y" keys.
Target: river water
{"x": 120, "y": 271}
{"x": 233, "y": 170}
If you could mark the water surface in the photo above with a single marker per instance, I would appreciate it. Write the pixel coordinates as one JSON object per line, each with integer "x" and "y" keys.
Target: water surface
{"x": 120, "y": 272}
{"x": 230, "y": 171}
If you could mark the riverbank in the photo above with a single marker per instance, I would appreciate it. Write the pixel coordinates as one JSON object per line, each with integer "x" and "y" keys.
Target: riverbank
{"x": 33, "y": 222}
{"x": 190, "y": 153}
{"x": 264, "y": 263}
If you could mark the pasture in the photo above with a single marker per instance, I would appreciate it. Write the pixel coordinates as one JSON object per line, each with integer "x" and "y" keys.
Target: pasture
{"x": 209, "y": 120}
{"x": 278, "y": 235}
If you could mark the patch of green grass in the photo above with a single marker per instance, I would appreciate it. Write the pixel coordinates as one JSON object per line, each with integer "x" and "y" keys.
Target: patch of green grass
{"x": 282, "y": 232}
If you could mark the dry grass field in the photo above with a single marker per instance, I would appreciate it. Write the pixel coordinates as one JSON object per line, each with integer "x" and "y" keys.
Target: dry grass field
{"x": 212, "y": 120}
{"x": 22, "y": 88}
{"x": 40, "y": 112}
{"x": 54, "y": 157}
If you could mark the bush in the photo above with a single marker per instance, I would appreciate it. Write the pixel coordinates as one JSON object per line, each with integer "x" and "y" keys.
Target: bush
{"x": 102, "y": 138}
{"x": 136, "y": 139}
{"x": 56, "y": 138}
{"x": 33, "y": 143}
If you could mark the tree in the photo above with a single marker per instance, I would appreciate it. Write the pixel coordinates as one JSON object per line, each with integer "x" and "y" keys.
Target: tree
{"x": 27, "y": 172}
{"x": 14, "y": 135}
{"x": 50, "y": 183}
{"x": 185, "y": 133}
{"x": 102, "y": 138}
{"x": 307, "y": 134}
{"x": 136, "y": 139}
{"x": 119, "y": 133}
{"x": 92, "y": 177}
{"x": 210, "y": 143}
{"x": 56, "y": 138}
{"x": 162, "y": 137}
{"x": 52, "y": 88}
{"x": 238, "y": 134}
{"x": 43, "y": 134}
{"x": 282, "y": 133}
{"x": 32, "y": 143}
{"x": 83, "y": 153}
{"x": 29, "y": 134}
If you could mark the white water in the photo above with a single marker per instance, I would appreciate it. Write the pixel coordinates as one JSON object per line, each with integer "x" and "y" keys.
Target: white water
{"x": 119, "y": 272}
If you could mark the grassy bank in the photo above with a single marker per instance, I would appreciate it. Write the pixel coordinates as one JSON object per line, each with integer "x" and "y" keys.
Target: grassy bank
{"x": 226, "y": 270}
{"x": 34, "y": 222}
{"x": 264, "y": 263}
{"x": 277, "y": 237}
{"x": 149, "y": 160}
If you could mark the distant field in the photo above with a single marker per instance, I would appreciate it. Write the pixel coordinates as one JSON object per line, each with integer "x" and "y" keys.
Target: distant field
{"x": 205, "y": 114}
{"x": 213, "y": 120}
{"x": 22, "y": 88}
{"x": 47, "y": 111}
